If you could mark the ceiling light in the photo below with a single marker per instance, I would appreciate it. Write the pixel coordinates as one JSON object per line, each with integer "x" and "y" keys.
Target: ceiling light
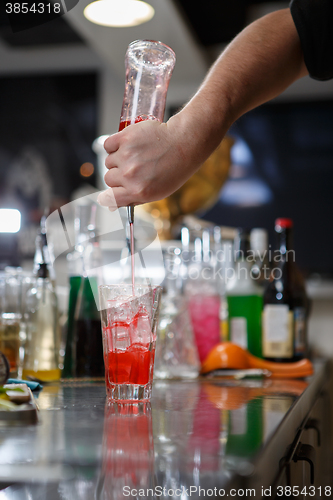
{"x": 119, "y": 13}
{"x": 10, "y": 220}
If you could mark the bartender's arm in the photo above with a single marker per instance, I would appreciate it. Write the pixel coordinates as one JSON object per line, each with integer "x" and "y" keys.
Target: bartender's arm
{"x": 150, "y": 160}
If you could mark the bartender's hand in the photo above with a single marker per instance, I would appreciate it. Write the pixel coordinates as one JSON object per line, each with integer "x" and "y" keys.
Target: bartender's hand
{"x": 147, "y": 161}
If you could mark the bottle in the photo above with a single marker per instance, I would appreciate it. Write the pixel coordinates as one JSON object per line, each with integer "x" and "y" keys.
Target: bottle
{"x": 260, "y": 270}
{"x": 87, "y": 347}
{"x": 244, "y": 298}
{"x": 74, "y": 287}
{"x": 43, "y": 253}
{"x": 149, "y": 65}
{"x": 41, "y": 352}
{"x": 84, "y": 349}
{"x": 285, "y": 303}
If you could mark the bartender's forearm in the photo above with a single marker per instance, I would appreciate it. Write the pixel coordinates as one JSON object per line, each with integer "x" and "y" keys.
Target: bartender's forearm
{"x": 260, "y": 63}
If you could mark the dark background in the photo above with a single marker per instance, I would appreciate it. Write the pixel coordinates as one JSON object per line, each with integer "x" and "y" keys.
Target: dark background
{"x": 55, "y": 115}
{"x": 291, "y": 150}
{"x": 48, "y": 124}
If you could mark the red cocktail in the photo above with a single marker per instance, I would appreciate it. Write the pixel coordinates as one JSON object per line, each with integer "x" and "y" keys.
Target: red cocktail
{"x": 129, "y": 338}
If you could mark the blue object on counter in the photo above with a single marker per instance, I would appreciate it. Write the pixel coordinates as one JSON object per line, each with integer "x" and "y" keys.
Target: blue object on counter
{"x": 34, "y": 386}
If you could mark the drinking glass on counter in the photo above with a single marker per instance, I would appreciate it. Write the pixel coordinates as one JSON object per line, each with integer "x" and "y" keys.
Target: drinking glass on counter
{"x": 10, "y": 319}
{"x": 176, "y": 351}
{"x": 204, "y": 306}
{"x": 42, "y": 335}
{"x": 204, "y": 288}
{"x": 129, "y": 317}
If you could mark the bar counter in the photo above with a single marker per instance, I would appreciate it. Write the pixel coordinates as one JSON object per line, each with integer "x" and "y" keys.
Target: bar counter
{"x": 204, "y": 437}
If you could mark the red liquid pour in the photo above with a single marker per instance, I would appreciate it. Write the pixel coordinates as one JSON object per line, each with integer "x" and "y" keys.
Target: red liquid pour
{"x": 132, "y": 257}
{"x": 123, "y": 124}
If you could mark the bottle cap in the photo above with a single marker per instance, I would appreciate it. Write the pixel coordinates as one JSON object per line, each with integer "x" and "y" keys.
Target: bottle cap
{"x": 43, "y": 271}
{"x": 259, "y": 241}
{"x": 284, "y": 223}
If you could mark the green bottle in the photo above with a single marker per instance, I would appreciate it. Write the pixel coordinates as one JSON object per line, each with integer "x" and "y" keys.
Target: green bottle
{"x": 74, "y": 287}
{"x": 87, "y": 347}
{"x": 244, "y": 299}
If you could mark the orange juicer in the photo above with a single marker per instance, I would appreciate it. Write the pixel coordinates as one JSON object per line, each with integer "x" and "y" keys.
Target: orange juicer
{"x": 227, "y": 355}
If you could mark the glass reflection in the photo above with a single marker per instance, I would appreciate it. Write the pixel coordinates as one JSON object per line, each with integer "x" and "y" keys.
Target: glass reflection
{"x": 195, "y": 435}
{"x": 128, "y": 453}
{"x": 250, "y": 412}
{"x": 187, "y": 439}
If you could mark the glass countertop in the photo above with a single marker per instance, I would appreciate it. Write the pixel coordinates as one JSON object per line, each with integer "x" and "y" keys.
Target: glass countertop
{"x": 193, "y": 434}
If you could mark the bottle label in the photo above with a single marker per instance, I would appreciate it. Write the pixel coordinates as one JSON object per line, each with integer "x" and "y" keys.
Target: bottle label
{"x": 300, "y": 330}
{"x": 277, "y": 339}
{"x": 238, "y": 331}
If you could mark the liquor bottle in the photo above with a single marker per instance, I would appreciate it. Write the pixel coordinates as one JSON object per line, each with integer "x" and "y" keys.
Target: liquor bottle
{"x": 43, "y": 252}
{"x": 244, "y": 298}
{"x": 41, "y": 350}
{"x": 285, "y": 302}
{"x": 87, "y": 347}
{"x": 74, "y": 287}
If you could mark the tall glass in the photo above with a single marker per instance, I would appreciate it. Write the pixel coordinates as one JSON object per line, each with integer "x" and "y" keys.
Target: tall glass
{"x": 129, "y": 323}
{"x": 203, "y": 288}
{"x": 10, "y": 319}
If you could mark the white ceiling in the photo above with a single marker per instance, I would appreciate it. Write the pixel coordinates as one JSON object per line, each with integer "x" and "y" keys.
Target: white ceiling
{"x": 166, "y": 26}
{"x": 106, "y": 48}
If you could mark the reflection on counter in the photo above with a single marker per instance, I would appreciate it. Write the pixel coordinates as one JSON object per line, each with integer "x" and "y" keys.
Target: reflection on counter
{"x": 128, "y": 451}
{"x": 250, "y": 412}
{"x": 218, "y": 427}
{"x": 195, "y": 434}
{"x": 186, "y": 438}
